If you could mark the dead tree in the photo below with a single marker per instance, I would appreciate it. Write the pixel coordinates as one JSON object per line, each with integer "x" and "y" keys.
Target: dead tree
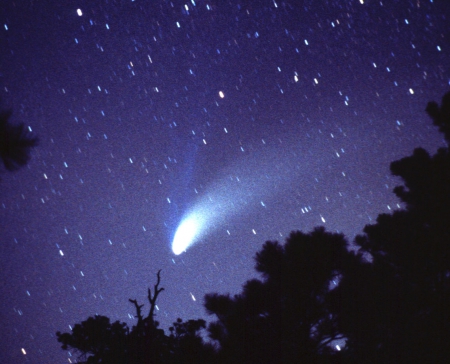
{"x": 147, "y": 342}
{"x": 152, "y": 300}
{"x": 148, "y": 321}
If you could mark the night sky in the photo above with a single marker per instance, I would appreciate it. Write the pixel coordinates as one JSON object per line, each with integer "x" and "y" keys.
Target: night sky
{"x": 262, "y": 117}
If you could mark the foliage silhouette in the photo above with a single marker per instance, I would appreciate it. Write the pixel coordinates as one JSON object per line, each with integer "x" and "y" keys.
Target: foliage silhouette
{"x": 187, "y": 344}
{"x": 396, "y": 308}
{"x": 97, "y": 340}
{"x": 285, "y": 317}
{"x": 15, "y": 143}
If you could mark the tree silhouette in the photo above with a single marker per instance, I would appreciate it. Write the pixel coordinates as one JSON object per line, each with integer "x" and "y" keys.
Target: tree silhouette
{"x": 285, "y": 317}
{"x": 97, "y": 340}
{"x": 148, "y": 343}
{"x": 187, "y": 344}
{"x": 441, "y": 115}
{"x": 15, "y": 143}
{"x": 396, "y": 308}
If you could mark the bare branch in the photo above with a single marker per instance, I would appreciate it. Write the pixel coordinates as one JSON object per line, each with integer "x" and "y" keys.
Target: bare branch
{"x": 138, "y": 310}
{"x": 151, "y": 299}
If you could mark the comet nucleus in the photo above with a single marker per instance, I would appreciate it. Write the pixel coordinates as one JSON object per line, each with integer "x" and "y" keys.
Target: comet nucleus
{"x": 186, "y": 233}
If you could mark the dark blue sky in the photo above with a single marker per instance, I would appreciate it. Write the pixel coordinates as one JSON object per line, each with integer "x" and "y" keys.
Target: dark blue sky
{"x": 318, "y": 98}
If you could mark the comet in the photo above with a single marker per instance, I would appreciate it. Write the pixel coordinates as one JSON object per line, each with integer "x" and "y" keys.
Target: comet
{"x": 245, "y": 185}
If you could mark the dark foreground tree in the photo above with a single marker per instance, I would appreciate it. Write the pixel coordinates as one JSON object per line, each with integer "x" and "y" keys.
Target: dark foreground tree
{"x": 396, "y": 309}
{"x": 285, "y": 317}
{"x": 96, "y": 340}
{"x": 392, "y": 302}
{"x": 15, "y": 143}
{"x": 187, "y": 345}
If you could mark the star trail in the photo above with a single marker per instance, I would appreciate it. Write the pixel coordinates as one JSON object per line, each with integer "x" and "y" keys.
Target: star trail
{"x": 248, "y": 119}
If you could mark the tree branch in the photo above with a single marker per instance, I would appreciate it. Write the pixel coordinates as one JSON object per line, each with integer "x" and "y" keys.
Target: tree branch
{"x": 138, "y": 310}
{"x": 151, "y": 299}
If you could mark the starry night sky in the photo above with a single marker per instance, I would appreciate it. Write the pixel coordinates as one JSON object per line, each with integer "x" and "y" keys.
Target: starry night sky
{"x": 287, "y": 112}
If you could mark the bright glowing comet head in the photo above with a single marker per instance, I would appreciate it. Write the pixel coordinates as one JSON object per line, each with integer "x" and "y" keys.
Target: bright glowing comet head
{"x": 186, "y": 233}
